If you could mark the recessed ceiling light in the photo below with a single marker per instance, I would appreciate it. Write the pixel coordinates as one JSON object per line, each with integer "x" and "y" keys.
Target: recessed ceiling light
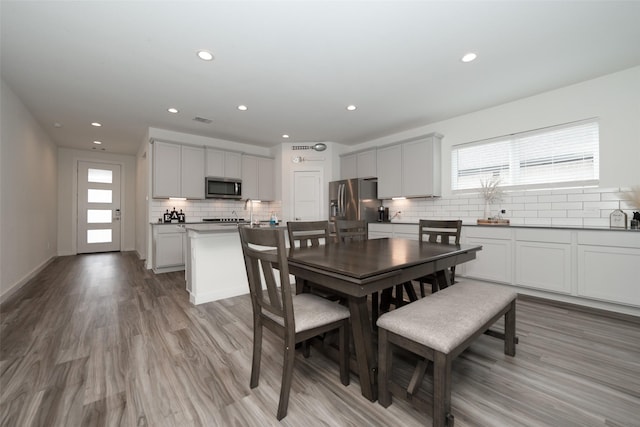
{"x": 205, "y": 55}
{"x": 243, "y": 107}
{"x": 97, "y": 142}
{"x": 351, "y": 107}
{"x": 172, "y": 110}
{"x": 285, "y": 136}
{"x": 469, "y": 57}
{"x": 96, "y": 124}
{"x": 57, "y": 125}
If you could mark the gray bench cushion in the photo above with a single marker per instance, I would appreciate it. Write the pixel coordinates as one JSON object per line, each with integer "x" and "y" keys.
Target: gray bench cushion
{"x": 442, "y": 321}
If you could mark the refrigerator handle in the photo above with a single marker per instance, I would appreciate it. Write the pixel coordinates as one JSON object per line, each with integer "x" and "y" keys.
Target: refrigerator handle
{"x": 341, "y": 200}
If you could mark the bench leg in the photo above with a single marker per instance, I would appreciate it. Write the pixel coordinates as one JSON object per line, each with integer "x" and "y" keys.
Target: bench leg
{"x": 510, "y": 330}
{"x": 441, "y": 389}
{"x": 384, "y": 367}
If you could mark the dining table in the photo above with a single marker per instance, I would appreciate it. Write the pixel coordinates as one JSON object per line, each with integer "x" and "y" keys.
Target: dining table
{"x": 358, "y": 269}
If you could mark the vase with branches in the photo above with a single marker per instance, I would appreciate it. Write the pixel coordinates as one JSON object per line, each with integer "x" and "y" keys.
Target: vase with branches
{"x": 632, "y": 199}
{"x": 491, "y": 193}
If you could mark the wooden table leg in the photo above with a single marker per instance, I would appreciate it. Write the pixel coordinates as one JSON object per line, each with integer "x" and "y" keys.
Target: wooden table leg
{"x": 363, "y": 342}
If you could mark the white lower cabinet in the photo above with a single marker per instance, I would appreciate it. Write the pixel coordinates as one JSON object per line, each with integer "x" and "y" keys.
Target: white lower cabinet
{"x": 169, "y": 244}
{"x": 598, "y": 268}
{"x": 494, "y": 262}
{"x": 380, "y": 230}
{"x": 609, "y": 267}
{"x": 543, "y": 259}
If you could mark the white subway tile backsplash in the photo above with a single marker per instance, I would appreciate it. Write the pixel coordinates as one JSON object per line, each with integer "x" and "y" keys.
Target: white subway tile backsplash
{"x": 591, "y": 197}
{"x": 537, "y": 206}
{"x": 569, "y": 207}
{"x": 552, "y": 214}
{"x": 566, "y": 205}
{"x": 602, "y": 205}
{"x": 524, "y": 199}
{"x": 553, "y": 198}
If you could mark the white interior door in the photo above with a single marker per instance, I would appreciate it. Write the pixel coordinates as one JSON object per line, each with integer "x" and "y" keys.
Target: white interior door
{"x": 98, "y": 207}
{"x": 306, "y": 195}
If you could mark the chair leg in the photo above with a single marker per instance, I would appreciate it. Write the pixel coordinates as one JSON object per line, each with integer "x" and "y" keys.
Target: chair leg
{"x": 510, "y": 330}
{"x": 385, "y": 300}
{"x": 422, "y": 294}
{"x": 306, "y": 349}
{"x": 287, "y": 376}
{"x": 399, "y": 296}
{"x": 385, "y": 356}
{"x": 257, "y": 352}
{"x": 441, "y": 389}
{"x": 411, "y": 292}
{"x": 375, "y": 310}
{"x": 345, "y": 354}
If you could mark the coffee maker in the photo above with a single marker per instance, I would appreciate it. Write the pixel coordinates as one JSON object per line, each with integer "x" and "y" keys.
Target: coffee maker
{"x": 383, "y": 214}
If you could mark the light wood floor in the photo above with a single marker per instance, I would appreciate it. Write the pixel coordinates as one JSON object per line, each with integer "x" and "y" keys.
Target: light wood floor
{"x": 98, "y": 340}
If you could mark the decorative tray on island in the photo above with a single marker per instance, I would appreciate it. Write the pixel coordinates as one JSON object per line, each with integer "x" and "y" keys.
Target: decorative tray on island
{"x": 493, "y": 222}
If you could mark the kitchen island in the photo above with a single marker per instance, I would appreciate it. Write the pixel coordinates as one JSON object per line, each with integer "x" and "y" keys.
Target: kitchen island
{"x": 214, "y": 263}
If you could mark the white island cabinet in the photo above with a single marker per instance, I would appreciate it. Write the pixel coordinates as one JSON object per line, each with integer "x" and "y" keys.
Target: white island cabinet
{"x": 214, "y": 263}
{"x": 168, "y": 247}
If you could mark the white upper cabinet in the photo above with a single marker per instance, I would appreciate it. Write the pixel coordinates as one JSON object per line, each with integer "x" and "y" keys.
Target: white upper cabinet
{"x": 258, "y": 178}
{"x": 389, "y": 168}
{"x": 223, "y": 164}
{"x": 348, "y": 166}
{"x": 410, "y": 169}
{"x": 192, "y": 177}
{"x": 366, "y": 164}
{"x": 358, "y": 165}
{"x": 178, "y": 171}
{"x": 166, "y": 170}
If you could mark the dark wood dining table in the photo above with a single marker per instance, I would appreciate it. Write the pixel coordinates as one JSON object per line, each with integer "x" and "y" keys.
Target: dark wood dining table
{"x": 360, "y": 268}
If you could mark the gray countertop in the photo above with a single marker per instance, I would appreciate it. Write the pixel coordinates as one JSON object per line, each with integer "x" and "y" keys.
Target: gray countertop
{"x": 551, "y": 227}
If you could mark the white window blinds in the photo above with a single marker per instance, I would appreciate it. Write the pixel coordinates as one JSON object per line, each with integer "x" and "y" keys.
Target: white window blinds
{"x": 559, "y": 156}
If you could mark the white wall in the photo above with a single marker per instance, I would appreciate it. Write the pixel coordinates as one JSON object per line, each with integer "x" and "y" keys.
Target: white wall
{"x": 28, "y": 194}
{"x": 325, "y": 162}
{"x": 614, "y": 99}
{"x": 142, "y": 197}
{"x": 67, "y": 201}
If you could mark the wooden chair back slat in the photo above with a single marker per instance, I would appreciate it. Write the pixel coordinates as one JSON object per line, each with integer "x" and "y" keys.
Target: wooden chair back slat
{"x": 347, "y": 230}
{"x": 307, "y": 233}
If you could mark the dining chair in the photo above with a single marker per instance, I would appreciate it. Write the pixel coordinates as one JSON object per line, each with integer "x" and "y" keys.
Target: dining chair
{"x": 307, "y": 233}
{"x": 294, "y": 318}
{"x": 304, "y": 234}
{"x": 439, "y": 231}
{"x": 349, "y": 230}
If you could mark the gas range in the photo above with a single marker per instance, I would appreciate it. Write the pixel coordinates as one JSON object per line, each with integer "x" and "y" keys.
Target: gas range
{"x": 223, "y": 220}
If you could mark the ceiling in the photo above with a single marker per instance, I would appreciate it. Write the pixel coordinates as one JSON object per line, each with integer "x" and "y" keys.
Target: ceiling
{"x": 296, "y": 65}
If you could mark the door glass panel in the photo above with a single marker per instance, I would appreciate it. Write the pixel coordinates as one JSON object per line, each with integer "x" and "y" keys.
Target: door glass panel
{"x": 98, "y": 196}
{"x": 100, "y": 175}
{"x": 99, "y": 216}
{"x": 98, "y": 236}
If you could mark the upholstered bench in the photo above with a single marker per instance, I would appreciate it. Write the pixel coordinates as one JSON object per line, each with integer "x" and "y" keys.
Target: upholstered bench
{"x": 439, "y": 328}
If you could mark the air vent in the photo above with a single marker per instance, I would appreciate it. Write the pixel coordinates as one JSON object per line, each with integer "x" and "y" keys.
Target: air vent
{"x": 202, "y": 120}
{"x": 302, "y": 147}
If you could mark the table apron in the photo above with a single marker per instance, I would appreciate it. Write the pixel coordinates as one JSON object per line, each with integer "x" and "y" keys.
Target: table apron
{"x": 354, "y": 287}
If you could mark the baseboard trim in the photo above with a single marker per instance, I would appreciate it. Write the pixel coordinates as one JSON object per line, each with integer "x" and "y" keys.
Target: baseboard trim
{"x": 582, "y": 308}
{"x": 20, "y": 283}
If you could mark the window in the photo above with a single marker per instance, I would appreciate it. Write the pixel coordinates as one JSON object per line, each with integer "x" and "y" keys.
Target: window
{"x": 558, "y": 156}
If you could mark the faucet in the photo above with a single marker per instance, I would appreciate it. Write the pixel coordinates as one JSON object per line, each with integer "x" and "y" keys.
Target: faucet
{"x": 250, "y": 203}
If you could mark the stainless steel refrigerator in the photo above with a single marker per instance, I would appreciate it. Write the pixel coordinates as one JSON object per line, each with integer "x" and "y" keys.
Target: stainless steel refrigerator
{"x": 353, "y": 199}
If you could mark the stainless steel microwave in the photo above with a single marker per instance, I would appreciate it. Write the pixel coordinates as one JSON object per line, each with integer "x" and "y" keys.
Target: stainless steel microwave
{"x": 222, "y": 188}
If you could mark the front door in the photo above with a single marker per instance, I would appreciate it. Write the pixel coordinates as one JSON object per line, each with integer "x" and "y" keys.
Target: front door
{"x": 98, "y": 207}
